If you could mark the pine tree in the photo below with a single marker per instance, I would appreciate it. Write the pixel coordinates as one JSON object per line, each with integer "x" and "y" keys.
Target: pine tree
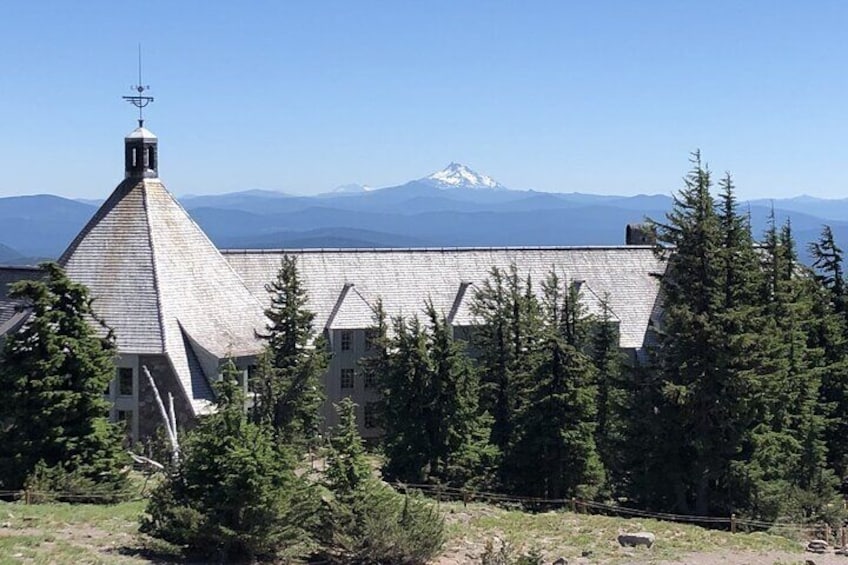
{"x": 288, "y": 386}
{"x": 53, "y": 373}
{"x": 235, "y": 494}
{"x": 555, "y": 454}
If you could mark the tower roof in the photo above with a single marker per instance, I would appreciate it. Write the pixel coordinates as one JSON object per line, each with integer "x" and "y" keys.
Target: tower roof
{"x": 141, "y": 132}
{"x": 163, "y": 287}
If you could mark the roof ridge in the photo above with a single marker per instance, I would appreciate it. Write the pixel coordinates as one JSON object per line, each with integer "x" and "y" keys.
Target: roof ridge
{"x": 354, "y": 250}
{"x": 155, "y": 268}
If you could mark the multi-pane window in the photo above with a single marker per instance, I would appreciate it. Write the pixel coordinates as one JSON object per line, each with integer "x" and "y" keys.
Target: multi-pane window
{"x": 347, "y": 340}
{"x": 125, "y": 381}
{"x": 347, "y": 378}
{"x": 370, "y": 419}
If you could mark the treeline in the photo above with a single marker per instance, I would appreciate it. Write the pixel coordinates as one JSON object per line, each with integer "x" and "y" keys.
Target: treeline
{"x": 739, "y": 405}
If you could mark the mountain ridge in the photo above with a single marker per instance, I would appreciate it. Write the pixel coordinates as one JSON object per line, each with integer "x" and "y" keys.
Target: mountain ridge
{"x": 440, "y": 210}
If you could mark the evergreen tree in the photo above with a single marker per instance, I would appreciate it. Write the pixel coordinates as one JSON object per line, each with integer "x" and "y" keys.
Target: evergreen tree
{"x": 459, "y": 434}
{"x": 288, "y": 386}
{"x": 53, "y": 372}
{"x": 406, "y": 404}
{"x": 366, "y": 521}
{"x": 788, "y": 466}
{"x": 509, "y": 314}
{"x": 831, "y": 335}
{"x": 235, "y": 494}
{"x": 612, "y": 399}
{"x": 434, "y": 430}
{"x": 347, "y": 466}
{"x": 707, "y": 386}
{"x": 555, "y": 454}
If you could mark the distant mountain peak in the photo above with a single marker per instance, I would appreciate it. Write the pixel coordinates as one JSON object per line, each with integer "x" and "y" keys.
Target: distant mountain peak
{"x": 352, "y": 188}
{"x": 457, "y": 175}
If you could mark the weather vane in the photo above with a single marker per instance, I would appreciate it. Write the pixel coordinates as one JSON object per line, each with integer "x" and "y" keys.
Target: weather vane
{"x": 139, "y": 100}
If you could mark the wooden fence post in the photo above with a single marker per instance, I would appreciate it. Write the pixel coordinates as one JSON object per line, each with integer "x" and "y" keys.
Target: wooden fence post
{"x": 733, "y": 523}
{"x": 573, "y": 504}
{"x": 27, "y": 498}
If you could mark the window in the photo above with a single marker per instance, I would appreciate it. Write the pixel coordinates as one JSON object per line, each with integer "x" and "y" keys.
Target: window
{"x": 370, "y": 415}
{"x": 125, "y": 381}
{"x": 347, "y": 378}
{"x": 370, "y": 339}
{"x": 347, "y": 340}
{"x": 370, "y": 379}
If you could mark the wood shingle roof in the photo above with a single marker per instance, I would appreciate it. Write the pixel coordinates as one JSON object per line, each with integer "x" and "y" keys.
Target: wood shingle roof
{"x": 163, "y": 287}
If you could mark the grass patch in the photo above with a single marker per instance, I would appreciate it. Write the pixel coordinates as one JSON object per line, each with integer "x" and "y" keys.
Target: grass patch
{"x": 87, "y": 533}
{"x": 569, "y": 535}
{"x": 66, "y": 533}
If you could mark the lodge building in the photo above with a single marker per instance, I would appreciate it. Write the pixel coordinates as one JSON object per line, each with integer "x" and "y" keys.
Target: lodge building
{"x": 180, "y": 307}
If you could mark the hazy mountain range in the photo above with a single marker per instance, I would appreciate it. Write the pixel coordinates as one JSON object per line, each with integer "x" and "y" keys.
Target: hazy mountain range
{"x": 452, "y": 207}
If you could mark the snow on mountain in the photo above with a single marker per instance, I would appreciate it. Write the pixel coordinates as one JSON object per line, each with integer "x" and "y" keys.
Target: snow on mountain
{"x": 457, "y": 175}
{"x": 352, "y": 188}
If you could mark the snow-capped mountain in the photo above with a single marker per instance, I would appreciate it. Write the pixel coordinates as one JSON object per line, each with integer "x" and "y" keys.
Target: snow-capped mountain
{"x": 457, "y": 175}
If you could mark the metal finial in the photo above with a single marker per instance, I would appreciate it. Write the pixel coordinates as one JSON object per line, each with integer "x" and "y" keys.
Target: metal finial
{"x": 139, "y": 100}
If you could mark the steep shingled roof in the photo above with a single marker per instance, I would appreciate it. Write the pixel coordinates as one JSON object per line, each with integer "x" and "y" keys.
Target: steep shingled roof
{"x": 405, "y": 278}
{"x": 162, "y": 286}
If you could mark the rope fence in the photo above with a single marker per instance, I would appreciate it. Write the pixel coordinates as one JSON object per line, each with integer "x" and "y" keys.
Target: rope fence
{"x": 732, "y": 522}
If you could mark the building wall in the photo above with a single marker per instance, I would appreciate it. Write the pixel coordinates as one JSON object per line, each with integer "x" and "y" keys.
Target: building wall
{"x": 348, "y": 348}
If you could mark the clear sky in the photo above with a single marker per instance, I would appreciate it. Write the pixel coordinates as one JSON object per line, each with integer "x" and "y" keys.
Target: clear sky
{"x": 600, "y": 96}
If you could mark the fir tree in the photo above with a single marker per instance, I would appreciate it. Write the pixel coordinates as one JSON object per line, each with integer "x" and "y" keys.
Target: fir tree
{"x": 459, "y": 433}
{"x": 434, "y": 430}
{"x": 831, "y": 336}
{"x": 706, "y": 385}
{"x": 288, "y": 386}
{"x": 53, "y": 372}
{"x": 406, "y": 404}
{"x": 555, "y": 454}
{"x": 509, "y": 314}
{"x": 612, "y": 398}
{"x": 788, "y": 465}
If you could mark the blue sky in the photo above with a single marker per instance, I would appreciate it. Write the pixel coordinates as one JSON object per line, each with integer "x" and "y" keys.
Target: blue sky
{"x": 602, "y": 97}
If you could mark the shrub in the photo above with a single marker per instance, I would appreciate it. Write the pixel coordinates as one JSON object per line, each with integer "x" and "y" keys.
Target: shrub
{"x": 366, "y": 521}
{"x": 235, "y": 494}
{"x": 58, "y": 484}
